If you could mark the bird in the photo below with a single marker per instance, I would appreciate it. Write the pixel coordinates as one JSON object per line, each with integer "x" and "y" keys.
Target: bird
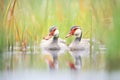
{"x": 77, "y": 32}
{"x": 52, "y": 41}
{"x": 78, "y": 47}
{"x": 53, "y": 45}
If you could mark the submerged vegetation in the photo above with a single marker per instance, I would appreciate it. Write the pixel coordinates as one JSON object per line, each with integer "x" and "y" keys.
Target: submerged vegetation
{"x": 27, "y": 21}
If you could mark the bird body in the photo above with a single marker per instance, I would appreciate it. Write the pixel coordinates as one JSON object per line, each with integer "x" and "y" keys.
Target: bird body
{"x": 53, "y": 44}
{"x": 78, "y": 44}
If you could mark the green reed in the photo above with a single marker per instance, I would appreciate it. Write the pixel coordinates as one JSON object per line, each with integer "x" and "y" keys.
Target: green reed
{"x": 113, "y": 53}
{"x": 2, "y": 37}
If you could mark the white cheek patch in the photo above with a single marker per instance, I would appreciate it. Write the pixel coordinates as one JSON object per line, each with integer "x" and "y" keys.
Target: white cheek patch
{"x": 77, "y": 32}
{"x": 56, "y": 33}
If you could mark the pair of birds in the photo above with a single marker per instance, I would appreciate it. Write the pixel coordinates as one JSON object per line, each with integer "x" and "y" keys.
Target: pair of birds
{"x": 52, "y": 42}
{"x": 56, "y": 43}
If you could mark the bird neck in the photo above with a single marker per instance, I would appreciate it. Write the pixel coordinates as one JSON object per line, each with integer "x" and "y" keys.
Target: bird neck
{"x": 55, "y": 39}
{"x": 78, "y": 39}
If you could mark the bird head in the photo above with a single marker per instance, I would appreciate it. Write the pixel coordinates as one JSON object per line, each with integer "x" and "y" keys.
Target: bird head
{"x": 75, "y": 30}
{"x": 53, "y": 31}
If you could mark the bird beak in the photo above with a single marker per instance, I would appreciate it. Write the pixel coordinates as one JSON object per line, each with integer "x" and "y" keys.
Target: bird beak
{"x": 47, "y": 37}
{"x": 70, "y": 34}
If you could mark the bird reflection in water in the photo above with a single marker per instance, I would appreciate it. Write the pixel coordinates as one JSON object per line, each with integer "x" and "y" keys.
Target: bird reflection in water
{"x": 77, "y": 64}
{"x": 52, "y": 62}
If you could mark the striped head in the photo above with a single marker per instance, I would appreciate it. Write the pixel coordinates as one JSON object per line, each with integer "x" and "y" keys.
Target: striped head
{"x": 53, "y": 31}
{"x": 75, "y": 30}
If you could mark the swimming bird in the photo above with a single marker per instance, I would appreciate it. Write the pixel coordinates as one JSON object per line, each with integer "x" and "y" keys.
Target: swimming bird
{"x": 79, "y": 47}
{"x": 53, "y": 45}
{"x": 52, "y": 41}
{"x": 77, "y": 32}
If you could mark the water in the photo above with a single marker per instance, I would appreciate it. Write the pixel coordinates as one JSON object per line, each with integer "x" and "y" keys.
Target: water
{"x": 30, "y": 74}
{"x": 32, "y": 65}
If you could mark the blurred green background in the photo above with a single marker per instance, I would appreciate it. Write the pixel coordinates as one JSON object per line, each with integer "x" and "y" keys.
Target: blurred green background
{"x": 28, "y": 21}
